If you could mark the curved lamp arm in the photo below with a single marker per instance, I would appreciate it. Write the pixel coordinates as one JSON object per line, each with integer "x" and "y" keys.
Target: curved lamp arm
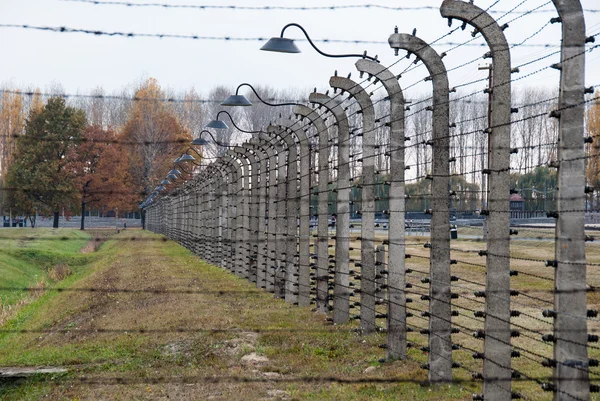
{"x": 181, "y": 167}
{"x": 261, "y": 99}
{"x": 213, "y": 138}
{"x": 234, "y": 124}
{"x": 364, "y": 55}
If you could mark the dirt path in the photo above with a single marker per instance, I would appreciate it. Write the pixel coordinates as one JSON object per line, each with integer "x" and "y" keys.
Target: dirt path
{"x": 160, "y": 324}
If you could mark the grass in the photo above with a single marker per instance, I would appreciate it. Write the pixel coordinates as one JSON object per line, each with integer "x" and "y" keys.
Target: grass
{"x": 28, "y": 255}
{"x": 196, "y": 321}
{"x": 190, "y": 336}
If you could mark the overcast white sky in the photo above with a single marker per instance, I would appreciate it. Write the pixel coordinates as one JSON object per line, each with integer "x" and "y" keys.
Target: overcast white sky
{"x": 82, "y": 62}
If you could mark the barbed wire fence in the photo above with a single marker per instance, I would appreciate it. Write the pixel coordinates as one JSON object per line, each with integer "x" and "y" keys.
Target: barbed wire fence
{"x": 294, "y": 209}
{"x": 276, "y": 210}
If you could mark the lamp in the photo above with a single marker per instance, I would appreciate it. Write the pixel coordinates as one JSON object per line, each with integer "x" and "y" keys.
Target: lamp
{"x": 241, "y": 100}
{"x": 284, "y": 45}
{"x": 218, "y": 124}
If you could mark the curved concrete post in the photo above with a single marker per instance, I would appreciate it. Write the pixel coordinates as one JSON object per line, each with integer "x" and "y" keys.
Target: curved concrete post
{"x": 204, "y": 240}
{"x": 281, "y": 216}
{"x": 220, "y": 211}
{"x": 571, "y": 378}
{"x": 323, "y": 220}
{"x": 440, "y": 307}
{"x": 260, "y": 199}
{"x": 291, "y": 244}
{"x": 252, "y": 242}
{"x": 242, "y": 154}
{"x": 268, "y": 191}
{"x": 367, "y": 233}
{"x": 341, "y": 289}
{"x": 272, "y": 233}
{"x": 396, "y": 319}
{"x": 237, "y": 196}
{"x": 209, "y": 190}
{"x": 230, "y": 235}
{"x": 303, "y": 267}
{"x": 497, "y": 349}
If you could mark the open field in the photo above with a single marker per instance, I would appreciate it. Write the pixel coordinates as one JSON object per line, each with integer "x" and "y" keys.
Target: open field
{"x": 30, "y": 257}
{"x": 188, "y": 330}
{"x": 185, "y": 337}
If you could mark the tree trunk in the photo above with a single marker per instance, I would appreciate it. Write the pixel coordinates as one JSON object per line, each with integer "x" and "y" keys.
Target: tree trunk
{"x": 82, "y": 215}
{"x": 55, "y": 225}
{"x": 143, "y": 216}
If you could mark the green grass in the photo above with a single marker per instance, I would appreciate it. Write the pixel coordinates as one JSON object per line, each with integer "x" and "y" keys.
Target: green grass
{"x": 298, "y": 342}
{"x": 26, "y": 255}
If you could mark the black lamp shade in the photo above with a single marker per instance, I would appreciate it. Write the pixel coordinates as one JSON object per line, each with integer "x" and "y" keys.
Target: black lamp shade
{"x": 165, "y": 182}
{"x": 217, "y": 124}
{"x": 280, "y": 45}
{"x": 236, "y": 100}
{"x": 199, "y": 142}
{"x": 187, "y": 158}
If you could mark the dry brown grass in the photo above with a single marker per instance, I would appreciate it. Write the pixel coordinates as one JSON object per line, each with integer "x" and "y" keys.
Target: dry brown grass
{"x": 59, "y": 272}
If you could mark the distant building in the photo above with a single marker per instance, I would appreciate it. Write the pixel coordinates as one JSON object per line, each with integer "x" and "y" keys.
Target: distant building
{"x": 517, "y": 203}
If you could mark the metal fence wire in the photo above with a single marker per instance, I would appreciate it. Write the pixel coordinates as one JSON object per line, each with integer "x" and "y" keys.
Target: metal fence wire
{"x": 294, "y": 210}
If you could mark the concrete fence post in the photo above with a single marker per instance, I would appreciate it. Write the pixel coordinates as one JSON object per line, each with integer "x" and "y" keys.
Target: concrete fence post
{"x": 261, "y": 246}
{"x": 291, "y": 201}
{"x": 367, "y": 234}
{"x": 440, "y": 307}
{"x": 497, "y": 349}
{"x": 341, "y": 289}
{"x": 396, "y": 306}
{"x": 253, "y": 211}
{"x": 236, "y": 210}
{"x": 302, "y": 281}
{"x": 239, "y": 153}
{"x": 322, "y": 198}
{"x": 281, "y": 215}
{"x": 571, "y": 372}
{"x": 270, "y": 212}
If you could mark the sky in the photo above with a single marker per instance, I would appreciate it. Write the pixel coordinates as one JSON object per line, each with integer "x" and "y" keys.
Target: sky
{"x": 81, "y": 62}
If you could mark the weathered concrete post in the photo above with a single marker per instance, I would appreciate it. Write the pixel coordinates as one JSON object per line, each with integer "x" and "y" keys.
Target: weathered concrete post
{"x": 231, "y": 206}
{"x": 571, "y": 376}
{"x": 281, "y": 220}
{"x": 497, "y": 349}
{"x": 244, "y": 212}
{"x": 341, "y": 289}
{"x": 259, "y": 148}
{"x": 217, "y": 188}
{"x": 367, "y": 234}
{"x": 440, "y": 308}
{"x": 208, "y": 188}
{"x": 237, "y": 196}
{"x": 396, "y": 307}
{"x": 270, "y": 176}
{"x": 322, "y": 227}
{"x": 222, "y": 212}
{"x": 272, "y": 238}
{"x": 253, "y": 211}
{"x": 291, "y": 245}
{"x": 303, "y": 279}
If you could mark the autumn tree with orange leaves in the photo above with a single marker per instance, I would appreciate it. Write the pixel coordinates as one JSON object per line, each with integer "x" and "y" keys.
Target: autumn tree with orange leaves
{"x": 101, "y": 165}
{"x": 158, "y": 136}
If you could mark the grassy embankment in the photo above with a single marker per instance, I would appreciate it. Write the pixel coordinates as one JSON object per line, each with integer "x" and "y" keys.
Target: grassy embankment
{"x": 184, "y": 335}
